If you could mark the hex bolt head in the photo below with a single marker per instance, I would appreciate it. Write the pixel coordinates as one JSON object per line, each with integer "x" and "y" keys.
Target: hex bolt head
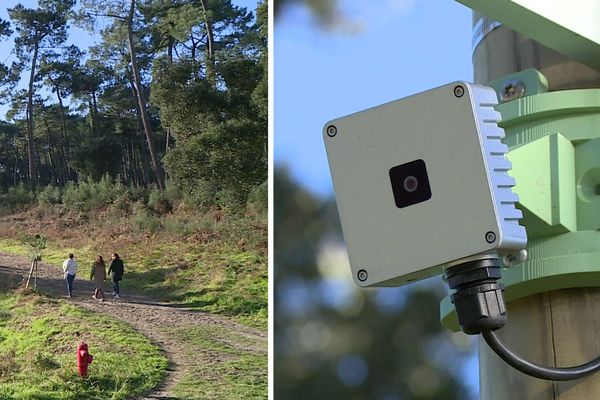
{"x": 459, "y": 91}
{"x": 362, "y": 275}
{"x": 512, "y": 89}
{"x": 490, "y": 237}
{"x": 331, "y": 131}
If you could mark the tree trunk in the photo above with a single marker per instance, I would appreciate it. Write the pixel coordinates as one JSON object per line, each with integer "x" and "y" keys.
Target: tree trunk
{"x": 94, "y": 114}
{"x": 210, "y": 49}
{"x": 138, "y": 148}
{"x": 145, "y": 170}
{"x": 16, "y": 165}
{"x": 142, "y": 102}
{"x": 170, "y": 58}
{"x": 170, "y": 50}
{"x": 30, "y": 144}
{"x": 63, "y": 135}
{"x": 53, "y": 174}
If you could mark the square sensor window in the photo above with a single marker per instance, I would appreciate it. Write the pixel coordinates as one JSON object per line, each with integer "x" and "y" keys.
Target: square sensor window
{"x": 410, "y": 183}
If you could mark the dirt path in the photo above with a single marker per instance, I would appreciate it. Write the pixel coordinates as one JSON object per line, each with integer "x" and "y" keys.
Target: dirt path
{"x": 154, "y": 320}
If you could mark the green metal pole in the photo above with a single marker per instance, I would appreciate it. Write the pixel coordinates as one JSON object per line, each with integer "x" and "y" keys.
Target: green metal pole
{"x": 554, "y": 136}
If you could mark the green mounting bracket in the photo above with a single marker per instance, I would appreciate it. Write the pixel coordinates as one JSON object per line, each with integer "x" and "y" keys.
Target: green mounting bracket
{"x": 545, "y": 174}
{"x": 532, "y": 80}
{"x": 570, "y": 29}
{"x": 555, "y": 142}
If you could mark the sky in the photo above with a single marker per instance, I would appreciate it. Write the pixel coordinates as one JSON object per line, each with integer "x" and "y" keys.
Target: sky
{"x": 387, "y": 49}
{"x": 382, "y": 50}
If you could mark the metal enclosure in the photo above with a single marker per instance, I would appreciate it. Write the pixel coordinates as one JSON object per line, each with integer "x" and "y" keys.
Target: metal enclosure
{"x": 470, "y": 208}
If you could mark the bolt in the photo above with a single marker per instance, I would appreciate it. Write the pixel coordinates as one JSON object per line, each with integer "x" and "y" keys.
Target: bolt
{"x": 459, "y": 91}
{"x": 362, "y": 275}
{"x": 331, "y": 131}
{"x": 512, "y": 89}
{"x": 515, "y": 258}
{"x": 490, "y": 237}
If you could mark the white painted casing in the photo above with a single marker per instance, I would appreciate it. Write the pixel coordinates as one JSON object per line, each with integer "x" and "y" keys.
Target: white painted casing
{"x": 458, "y": 139}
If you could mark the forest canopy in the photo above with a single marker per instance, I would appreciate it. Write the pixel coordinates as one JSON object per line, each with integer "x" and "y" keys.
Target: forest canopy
{"x": 173, "y": 93}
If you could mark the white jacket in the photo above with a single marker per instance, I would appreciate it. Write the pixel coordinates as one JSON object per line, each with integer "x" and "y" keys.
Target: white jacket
{"x": 69, "y": 266}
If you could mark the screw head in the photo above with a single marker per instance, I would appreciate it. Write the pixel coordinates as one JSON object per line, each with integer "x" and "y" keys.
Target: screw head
{"x": 512, "y": 89}
{"x": 331, "y": 131}
{"x": 459, "y": 91}
{"x": 490, "y": 237}
{"x": 362, "y": 275}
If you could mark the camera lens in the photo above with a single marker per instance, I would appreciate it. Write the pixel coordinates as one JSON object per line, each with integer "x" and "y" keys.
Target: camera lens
{"x": 410, "y": 184}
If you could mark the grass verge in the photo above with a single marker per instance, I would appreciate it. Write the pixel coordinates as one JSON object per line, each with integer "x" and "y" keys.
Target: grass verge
{"x": 222, "y": 371}
{"x": 38, "y": 342}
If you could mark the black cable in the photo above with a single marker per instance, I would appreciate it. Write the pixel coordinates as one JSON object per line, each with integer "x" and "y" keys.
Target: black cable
{"x": 536, "y": 370}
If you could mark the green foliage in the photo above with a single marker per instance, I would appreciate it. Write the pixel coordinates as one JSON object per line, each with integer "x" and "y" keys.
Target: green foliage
{"x": 326, "y": 12}
{"x": 217, "y": 118}
{"x": 89, "y": 195}
{"x": 144, "y": 220}
{"x": 94, "y": 156}
{"x": 343, "y": 342}
{"x": 35, "y": 244}
{"x": 16, "y": 198}
{"x": 222, "y": 165}
{"x": 49, "y": 196}
{"x": 162, "y": 202}
{"x": 38, "y": 347}
{"x": 258, "y": 201}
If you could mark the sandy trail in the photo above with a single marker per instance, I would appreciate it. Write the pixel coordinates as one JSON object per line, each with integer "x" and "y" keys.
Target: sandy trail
{"x": 154, "y": 320}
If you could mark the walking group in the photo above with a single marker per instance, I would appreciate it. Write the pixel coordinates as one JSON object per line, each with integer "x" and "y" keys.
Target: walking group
{"x": 98, "y": 274}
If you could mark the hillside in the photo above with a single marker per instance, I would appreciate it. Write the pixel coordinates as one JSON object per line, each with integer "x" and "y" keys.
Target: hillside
{"x": 212, "y": 262}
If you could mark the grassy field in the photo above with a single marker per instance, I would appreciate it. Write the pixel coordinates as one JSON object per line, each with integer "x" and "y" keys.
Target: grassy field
{"x": 38, "y": 342}
{"x": 219, "y": 266}
{"x": 226, "y": 373}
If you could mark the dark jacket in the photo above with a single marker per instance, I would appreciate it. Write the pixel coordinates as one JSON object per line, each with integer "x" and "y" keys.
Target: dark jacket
{"x": 116, "y": 269}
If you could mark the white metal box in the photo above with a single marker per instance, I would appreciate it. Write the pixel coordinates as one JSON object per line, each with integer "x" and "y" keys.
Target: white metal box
{"x": 421, "y": 182}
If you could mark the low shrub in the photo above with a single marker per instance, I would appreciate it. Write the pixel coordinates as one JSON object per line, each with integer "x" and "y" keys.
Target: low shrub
{"x": 258, "y": 200}
{"x": 49, "y": 196}
{"x": 16, "y": 198}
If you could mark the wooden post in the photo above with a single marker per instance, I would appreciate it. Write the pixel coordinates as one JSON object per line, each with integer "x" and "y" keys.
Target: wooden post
{"x": 35, "y": 275}
{"x": 30, "y": 273}
{"x": 558, "y": 328}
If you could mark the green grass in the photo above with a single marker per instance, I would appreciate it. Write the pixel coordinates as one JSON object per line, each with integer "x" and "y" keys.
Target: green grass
{"x": 38, "y": 342}
{"x": 227, "y": 373}
{"x": 219, "y": 279}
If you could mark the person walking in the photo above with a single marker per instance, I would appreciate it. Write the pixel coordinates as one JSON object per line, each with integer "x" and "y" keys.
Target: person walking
{"x": 69, "y": 269}
{"x": 116, "y": 270}
{"x": 98, "y": 274}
